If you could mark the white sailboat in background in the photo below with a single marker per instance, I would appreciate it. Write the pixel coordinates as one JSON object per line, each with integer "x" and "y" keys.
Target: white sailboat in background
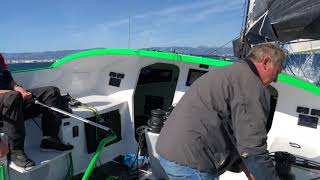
{"x": 304, "y": 45}
{"x": 308, "y": 51}
{"x": 122, "y": 86}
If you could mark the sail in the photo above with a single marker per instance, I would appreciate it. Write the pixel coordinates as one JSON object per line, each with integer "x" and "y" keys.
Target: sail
{"x": 283, "y": 20}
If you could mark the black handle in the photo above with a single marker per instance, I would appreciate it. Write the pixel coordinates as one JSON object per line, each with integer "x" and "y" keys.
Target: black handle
{"x": 295, "y": 145}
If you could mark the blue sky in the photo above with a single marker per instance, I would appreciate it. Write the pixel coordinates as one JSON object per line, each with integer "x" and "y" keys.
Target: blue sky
{"x": 46, "y": 25}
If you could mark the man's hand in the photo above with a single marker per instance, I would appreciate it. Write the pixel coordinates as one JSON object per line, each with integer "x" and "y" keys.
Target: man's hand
{"x": 26, "y": 95}
{"x": 4, "y": 149}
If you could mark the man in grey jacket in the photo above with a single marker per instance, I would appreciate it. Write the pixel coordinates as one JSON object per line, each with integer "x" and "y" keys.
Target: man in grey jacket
{"x": 222, "y": 119}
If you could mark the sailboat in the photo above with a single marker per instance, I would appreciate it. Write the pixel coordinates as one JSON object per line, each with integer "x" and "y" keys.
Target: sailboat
{"x": 123, "y": 86}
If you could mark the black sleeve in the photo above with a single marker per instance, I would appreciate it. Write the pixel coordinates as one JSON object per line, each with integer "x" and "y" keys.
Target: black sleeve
{"x": 235, "y": 167}
{"x": 7, "y": 76}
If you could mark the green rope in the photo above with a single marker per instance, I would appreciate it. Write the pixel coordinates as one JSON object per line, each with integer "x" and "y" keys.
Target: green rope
{"x": 3, "y": 172}
{"x": 91, "y": 108}
{"x": 88, "y": 107}
{"x": 102, "y": 143}
{"x": 94, "y": 110}
{"x": 97, "y": 155}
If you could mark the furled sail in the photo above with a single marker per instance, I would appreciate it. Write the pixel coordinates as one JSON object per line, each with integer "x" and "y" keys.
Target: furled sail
{"x": 283, "y": 20}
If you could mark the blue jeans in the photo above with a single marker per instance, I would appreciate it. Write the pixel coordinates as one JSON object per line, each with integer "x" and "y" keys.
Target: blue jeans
{"x": 261, "y": 167}
{"x": 178, "y": 172}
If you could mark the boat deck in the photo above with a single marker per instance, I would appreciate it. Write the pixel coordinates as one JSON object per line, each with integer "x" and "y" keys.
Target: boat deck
{"x": 32, "y": 149}
{"x": 34, "y": 133}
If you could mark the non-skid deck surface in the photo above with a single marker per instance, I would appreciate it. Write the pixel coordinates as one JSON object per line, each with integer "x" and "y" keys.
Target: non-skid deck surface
{"x": 40, "y": 158}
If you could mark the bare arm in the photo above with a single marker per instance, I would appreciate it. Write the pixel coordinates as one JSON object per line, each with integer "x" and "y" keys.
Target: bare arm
{"x": 4, "y": 91}
{"x": 14, "y": 86}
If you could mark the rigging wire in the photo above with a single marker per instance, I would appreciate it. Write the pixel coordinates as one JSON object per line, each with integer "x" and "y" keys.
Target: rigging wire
{"x": 243, "y": 24}
{"x": 300, "y": 67}
{"x": 309, "y": 57}
{"x": 220, "y": 47}
{"x": 289, "y": 64}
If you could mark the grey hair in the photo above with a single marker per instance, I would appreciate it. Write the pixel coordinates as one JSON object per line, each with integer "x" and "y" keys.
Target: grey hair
{"x": 260, "y": 51}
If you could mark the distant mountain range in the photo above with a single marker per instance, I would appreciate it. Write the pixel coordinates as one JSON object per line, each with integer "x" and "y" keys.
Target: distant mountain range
{"x": 54, "y": 55}
{"x": 198, "y": 51}
{"x": 47, "y": 55}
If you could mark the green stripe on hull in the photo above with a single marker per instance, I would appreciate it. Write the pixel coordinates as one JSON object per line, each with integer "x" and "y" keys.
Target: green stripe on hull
{"x": 132, "y": 52}
{"x": 177, "y": 57}
{"x": 285, "y": 78}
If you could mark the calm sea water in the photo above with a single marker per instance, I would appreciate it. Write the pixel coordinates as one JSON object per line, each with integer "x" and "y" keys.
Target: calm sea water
{"x": 24, "y": 66}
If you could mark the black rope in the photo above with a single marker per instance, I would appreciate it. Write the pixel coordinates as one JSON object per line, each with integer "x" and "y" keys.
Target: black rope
{"x": 8, "y": 166}
{"x": 140, "y": 131}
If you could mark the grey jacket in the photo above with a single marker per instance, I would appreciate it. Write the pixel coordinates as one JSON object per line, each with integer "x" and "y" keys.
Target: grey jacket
{"x": 223, "y": 115}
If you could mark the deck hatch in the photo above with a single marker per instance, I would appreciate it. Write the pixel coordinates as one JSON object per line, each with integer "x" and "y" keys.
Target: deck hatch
{"x": 315, "y": 112}
{"x": 114, "y": 82}
{"x": 303, "y": 110}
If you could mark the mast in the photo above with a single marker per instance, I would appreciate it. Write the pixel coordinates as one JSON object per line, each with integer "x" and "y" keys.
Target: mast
{"x": 246, "y": 17}
{"x": 129, "y": 32}
{"x": 243, "y": 46}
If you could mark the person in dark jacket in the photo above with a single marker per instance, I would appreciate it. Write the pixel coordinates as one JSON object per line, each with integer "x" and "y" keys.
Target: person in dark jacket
{"x": 222, "y": 119}
{"x": 16, "y": 106}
